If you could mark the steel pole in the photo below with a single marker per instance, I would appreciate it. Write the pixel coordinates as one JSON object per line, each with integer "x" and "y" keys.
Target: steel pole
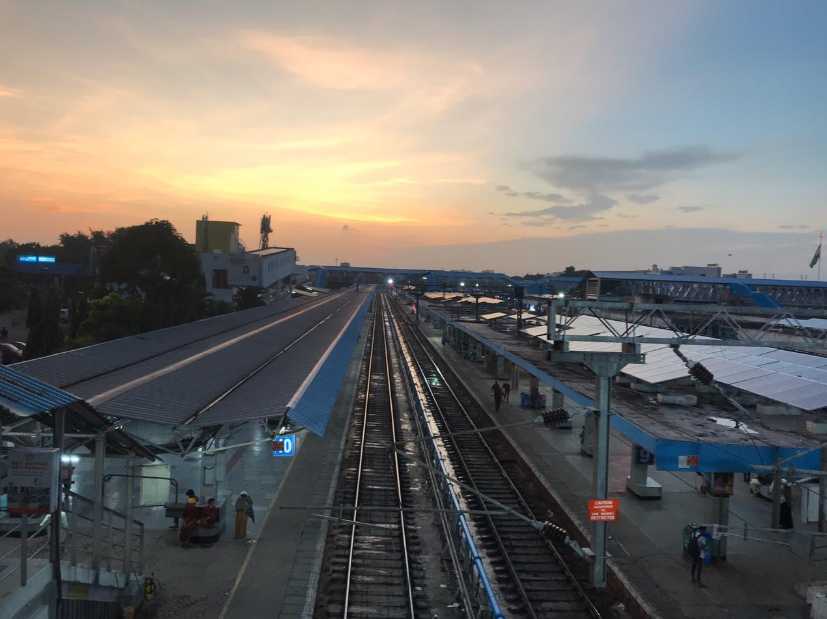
{"x": 97, "y": 542}
{"x": 59, "y": 430}
{"x": 601, "y": 477}
{"x": 551, "y": 324}
{"x": 822, "y": 487}
{"x": 130, "y": 489}
{"x": 776, "y": 496}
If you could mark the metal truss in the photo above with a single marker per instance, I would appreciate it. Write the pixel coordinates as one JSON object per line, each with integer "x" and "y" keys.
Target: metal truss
{"x": 698, "y": 325}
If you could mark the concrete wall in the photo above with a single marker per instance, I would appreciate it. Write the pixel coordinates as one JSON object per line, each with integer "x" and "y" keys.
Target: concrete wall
{"x": 248, "y": 269}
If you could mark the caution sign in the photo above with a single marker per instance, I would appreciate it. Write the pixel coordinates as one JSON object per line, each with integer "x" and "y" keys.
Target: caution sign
{"x": 603, "y": 510}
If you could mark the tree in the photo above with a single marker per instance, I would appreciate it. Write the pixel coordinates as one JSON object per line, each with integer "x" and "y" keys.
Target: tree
{"x": 112, "y": 316}
{"x": 35, "y": 312}
{"x": 247, "y": 297}
{"x": 10, "y": 290}
{"x": 152, "y": 261}
{"x": 569, "y": 270}
{"x": 43, "y": 321}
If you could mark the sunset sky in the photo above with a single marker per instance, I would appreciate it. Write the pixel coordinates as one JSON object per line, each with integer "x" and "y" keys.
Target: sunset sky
{"x": 376, "y": 130}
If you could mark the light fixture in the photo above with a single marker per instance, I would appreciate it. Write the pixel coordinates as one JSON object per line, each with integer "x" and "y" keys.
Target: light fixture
{"x": 462, "y": 284}
{"x": 69, "y": 459}
{"x": 561, "y": 295}
{"x": 390, "y": 281}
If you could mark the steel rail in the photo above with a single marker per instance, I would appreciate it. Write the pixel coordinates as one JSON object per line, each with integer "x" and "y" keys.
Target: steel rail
{"x": 397, "y": 476}
{"x": 359, "y": 470}
{"x": 515, "y": 577}
{"x": 416, "y": 337}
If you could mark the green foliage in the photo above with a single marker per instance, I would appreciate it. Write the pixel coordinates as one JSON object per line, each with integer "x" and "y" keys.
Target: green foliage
{"x": 10, "y": 290}
{"x": 213, "y": 307}
{"x": 34, "y": 314}
{"x": 247, "y": 297}
{"x": 154, "y": 262}
{"x": 569, "y": 270}
{"x": 43, "y": 320}
{"x": 110, "y": 317}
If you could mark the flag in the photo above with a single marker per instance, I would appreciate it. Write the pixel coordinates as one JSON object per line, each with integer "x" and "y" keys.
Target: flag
{"x": 816, "y": 256}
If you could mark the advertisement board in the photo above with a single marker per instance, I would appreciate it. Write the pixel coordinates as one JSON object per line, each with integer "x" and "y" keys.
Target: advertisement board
{"x": 33, "y": 480}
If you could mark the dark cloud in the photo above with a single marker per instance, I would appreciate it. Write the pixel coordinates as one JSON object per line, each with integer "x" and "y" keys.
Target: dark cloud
{"x": 538, "y": 222}
{"x": 578, "y": 226}
{"x": 596, "y": 203}
{"x": 606, "y": 174}
{"x": 794, "y": 227}
{"x": 689, "y": 209}
{"x": 348, "y": 228}
{"x": 557, "y": 198}
{"x": 642, "y": 198}
{"x": 626, "y": 216}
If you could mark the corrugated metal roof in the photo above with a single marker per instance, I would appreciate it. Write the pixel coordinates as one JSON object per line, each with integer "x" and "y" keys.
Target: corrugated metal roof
{"x": 75, "y": 366}
{"x": 174, "y": 397}
{"x": 793, "y": 378}
{"x": 28, "y": 396}
{"x": 25, "y": 396}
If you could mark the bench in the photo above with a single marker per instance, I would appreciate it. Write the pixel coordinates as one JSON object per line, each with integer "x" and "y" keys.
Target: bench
{"x": 201, "y": 535}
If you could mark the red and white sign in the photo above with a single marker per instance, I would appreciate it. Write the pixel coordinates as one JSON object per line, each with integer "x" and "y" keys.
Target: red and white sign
{"x": 603, "y": 510}
{"x": 688, "y": 462}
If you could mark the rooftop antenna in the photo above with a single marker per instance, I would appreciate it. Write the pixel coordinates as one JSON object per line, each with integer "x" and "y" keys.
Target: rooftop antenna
{"x": 265, "y": 230}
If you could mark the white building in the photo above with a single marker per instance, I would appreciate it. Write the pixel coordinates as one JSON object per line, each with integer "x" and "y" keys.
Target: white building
{"x": 226, "y": 265}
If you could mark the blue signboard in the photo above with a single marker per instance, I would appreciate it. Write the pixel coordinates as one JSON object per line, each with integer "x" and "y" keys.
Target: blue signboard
{"x": 28, "y": 259}
{"x": 284, "y": 445}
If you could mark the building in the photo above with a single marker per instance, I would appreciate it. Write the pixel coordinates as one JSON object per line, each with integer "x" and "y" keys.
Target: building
{"x": 217, "y": 236}
{"x": 710, "y": 270}
{"x": 226, "y": 265}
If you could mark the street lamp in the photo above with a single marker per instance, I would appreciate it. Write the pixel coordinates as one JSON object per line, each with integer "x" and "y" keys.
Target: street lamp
{"x": 476, "y": 294}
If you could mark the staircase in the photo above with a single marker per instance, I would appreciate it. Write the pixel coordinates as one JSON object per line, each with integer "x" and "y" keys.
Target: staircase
{"x": 101, "y": 563}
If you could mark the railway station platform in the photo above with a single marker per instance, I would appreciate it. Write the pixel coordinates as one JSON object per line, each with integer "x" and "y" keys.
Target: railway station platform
{"x": 646, "y": 541}
{"x": 200, "y": 397}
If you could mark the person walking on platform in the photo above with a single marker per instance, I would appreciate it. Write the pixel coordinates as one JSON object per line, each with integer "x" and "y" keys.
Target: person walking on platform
{"x": 498, "y": 395}
{"x": 697, "y": 552}
{"x": 243, "y": 510}
{"x": 506, "y": 390}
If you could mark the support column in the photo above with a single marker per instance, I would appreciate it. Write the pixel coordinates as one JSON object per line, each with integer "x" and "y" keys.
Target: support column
{"x": 775, "y": 523}
{"x": 100, "y": 454}
{"x": 557, "y": 400}
{"x": 500, "y": 365}
{"x": 722, "y": 518}
{"x": 130, "y": 489}
{"x": 54, "y": 542}
{"x": 822, "y": 490}
{"x": 534, "y": 392}
{"x": 601, "y": 478}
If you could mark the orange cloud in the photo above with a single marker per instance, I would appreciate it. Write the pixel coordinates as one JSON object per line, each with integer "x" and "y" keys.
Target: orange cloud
{"x": 7, "y": 91}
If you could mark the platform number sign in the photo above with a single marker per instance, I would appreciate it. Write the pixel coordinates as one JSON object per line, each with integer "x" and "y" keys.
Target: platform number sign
{"x": 284, "y": 445}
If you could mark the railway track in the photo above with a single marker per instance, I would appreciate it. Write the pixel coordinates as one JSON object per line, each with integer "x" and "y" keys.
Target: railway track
{"x": 372, "y": 573}
{"x": 531, "y": 577}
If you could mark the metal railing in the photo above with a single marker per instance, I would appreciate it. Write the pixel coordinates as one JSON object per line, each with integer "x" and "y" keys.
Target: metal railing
{"x": 109, "y": 544}
{"x": 29, "y": 531}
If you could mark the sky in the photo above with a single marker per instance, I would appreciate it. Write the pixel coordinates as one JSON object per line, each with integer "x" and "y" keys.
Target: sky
{"x": 383, "y": 133}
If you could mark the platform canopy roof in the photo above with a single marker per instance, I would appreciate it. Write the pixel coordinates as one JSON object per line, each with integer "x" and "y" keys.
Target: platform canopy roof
{"x": 792, "y": 378}
{"x": 493, "y": 315}
{"x": 27, "y": 397}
